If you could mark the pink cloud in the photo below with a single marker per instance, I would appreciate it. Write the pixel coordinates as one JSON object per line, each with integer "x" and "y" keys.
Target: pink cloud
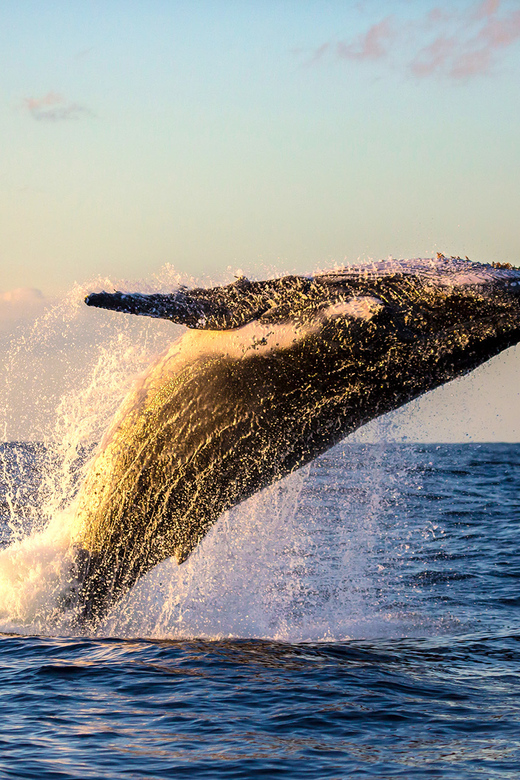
{"x": 319, "y": 53}
{"x": 499, "y": 33}
{"x": 486, "y": 8}
{"x": 21, "y": 295}
{"x": 52, "y": 107}
{"x": 445, "y": 42}
{"x": 432, "y": 57}
{"x": 438, "y": 16}
{"x": 372, "y": 45}
{"x": 473, "y": 47}
{"x": 471, "y": 63}
{"x": 22, "y": 303}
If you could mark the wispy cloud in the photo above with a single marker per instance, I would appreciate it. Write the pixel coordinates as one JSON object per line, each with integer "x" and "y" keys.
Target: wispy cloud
{"x": 468, "y": 44}
{"x": 22, "y": 303}
{"x": 53, "y": 107}
{"x": 458, "y": 44}
{"x": 373, "y": 45}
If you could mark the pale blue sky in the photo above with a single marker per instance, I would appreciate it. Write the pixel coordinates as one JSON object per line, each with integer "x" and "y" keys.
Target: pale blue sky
{"x": 205, "y": 134}
{"x": 273, "y": 134}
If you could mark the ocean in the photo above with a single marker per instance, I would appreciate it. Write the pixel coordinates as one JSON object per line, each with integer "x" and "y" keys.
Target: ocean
{"x": 358, "y": 619}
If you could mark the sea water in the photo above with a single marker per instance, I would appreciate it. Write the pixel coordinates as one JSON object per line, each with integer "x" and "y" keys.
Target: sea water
{"x": 358, "y": 619}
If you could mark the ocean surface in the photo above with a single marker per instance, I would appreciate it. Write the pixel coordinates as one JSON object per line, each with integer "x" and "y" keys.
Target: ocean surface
{"x": 360, "y": 619}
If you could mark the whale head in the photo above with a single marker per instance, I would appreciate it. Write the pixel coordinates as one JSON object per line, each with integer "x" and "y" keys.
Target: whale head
{"x": 440, "y": 291}
{"x": 445, "y": 315}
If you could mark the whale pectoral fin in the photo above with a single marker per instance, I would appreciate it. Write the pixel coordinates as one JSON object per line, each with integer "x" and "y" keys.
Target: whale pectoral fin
{"x": 217, "y": 308}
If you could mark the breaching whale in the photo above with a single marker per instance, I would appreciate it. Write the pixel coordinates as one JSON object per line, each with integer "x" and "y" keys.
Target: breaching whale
{"x": 269, "y": 375}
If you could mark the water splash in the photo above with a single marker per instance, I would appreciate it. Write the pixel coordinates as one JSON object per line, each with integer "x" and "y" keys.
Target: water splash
{"x": 298, "y": 561}
{"x": 64, "y": 377}
{"x": 281, "y": 565}
{"x": 33, "y": 575}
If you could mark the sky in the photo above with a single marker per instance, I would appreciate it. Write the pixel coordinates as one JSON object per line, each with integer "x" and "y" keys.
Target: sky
{"x": 268, "y": 136}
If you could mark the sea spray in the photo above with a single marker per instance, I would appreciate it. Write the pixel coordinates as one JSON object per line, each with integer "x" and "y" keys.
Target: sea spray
{"x": 34, "y": 573}
{"x": 64, "y": 376}
{"x": 298, "y": 561}
{"x": 291, "y": 564}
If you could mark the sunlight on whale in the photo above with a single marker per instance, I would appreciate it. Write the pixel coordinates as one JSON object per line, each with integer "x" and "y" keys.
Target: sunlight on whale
{"x": 269, "y": 375}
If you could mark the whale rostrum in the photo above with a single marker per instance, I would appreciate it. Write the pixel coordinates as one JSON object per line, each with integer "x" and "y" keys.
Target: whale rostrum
{"x": 269, "y": 375}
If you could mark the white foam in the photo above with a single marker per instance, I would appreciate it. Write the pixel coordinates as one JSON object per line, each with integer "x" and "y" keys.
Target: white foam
{"x": 34, "y": 573}
{"x": 439, "y": 271}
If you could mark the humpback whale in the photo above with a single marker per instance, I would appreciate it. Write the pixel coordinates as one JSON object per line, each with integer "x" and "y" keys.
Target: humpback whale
{"x": 268, "y": 375}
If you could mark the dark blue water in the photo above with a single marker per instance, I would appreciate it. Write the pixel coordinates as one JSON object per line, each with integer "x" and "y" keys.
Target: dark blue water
{"x": 361, "y": 620}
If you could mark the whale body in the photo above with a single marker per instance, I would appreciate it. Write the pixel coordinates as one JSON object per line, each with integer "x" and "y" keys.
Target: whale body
{"x": 269, "y": 375}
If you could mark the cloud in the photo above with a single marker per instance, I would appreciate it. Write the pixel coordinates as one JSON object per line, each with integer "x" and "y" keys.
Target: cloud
{"x": 456, "y": 44}
{"x": 468, "y": 44}
{"x": 318, "y": 53}
{"x": 372, "y": 45}
{"x": 54, "y": 108}
{"x": 22, "y": 303}
{"x": 486, "y": 8}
